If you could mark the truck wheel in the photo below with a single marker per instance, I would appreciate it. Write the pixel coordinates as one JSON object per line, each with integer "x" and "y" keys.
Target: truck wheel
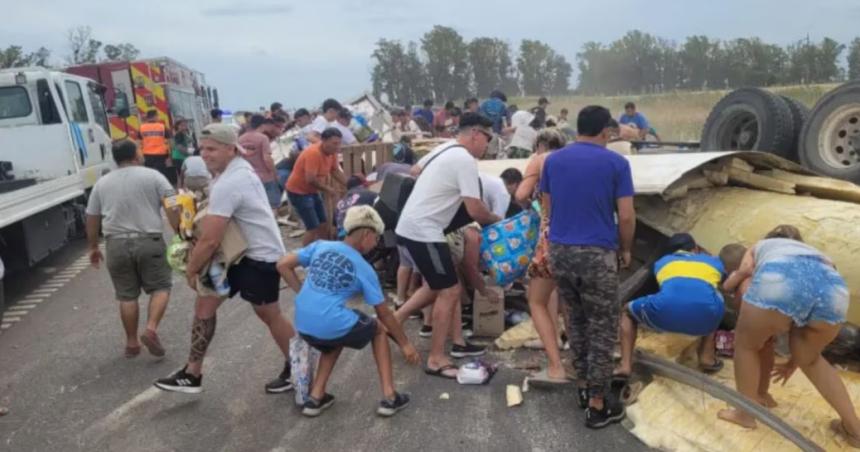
{"x": 830, "y": 139}
{"x": 799, "y": 115}
{"x": 749, "y": 119}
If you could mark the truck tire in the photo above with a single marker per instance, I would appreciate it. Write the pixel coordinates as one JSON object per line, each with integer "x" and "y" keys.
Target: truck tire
{"x": 830, "y": 139}
{"x": 750, "y": 119}
{"x": 799, "y": 115}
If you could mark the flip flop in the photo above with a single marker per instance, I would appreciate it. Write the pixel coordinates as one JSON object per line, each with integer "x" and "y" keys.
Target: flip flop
{"x": 542, "y": 378}
{"x": 440, "y": 372}
{"x": 839, "y": 428}
{"x": 131, "y": 352}
{"x": 713, "y": 368}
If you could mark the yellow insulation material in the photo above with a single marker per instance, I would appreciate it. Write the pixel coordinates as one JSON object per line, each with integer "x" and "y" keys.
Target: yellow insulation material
{"x": 673, "y": 416}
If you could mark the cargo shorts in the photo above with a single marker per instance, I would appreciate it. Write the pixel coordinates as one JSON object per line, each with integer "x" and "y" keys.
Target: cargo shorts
{"x": 138, "y": 263}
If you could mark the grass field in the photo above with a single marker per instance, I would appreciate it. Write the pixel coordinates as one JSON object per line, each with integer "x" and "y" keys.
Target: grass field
{"x": 677, "y": 116}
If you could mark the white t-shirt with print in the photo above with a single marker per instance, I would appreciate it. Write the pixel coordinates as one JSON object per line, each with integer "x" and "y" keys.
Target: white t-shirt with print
{"x": 438, "y": 193}
{"x": 237, "y": 193}
{"x": 496, "y": 195}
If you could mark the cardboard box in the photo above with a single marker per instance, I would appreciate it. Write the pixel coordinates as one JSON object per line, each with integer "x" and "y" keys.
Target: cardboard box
{"x": 488, "y": 319}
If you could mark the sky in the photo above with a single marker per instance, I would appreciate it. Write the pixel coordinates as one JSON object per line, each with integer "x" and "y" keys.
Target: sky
{"x": 299, "y": 53}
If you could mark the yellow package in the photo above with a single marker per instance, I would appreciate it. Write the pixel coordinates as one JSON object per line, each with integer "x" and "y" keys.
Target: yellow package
{"x": 186, "y": 202}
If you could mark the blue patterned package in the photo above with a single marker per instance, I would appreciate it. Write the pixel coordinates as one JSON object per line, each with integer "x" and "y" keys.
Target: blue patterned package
{"x": 508, "y": 246}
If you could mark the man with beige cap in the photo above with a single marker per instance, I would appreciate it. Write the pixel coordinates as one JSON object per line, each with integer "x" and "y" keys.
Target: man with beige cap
{"x": 236, "y": 195}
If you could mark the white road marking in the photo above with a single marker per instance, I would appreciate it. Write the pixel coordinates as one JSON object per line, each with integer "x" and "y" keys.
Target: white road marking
{"x": 59, "y": 280}
{"x": 11, "y": 319}
{"x": 52, "y": 286}
{"x": 5, "y": 326}
{"x": 47, "y": 291}
{"x": 22, "y": 306}
{"x": 13, "y": 313}
{"x": 34, "y": 300}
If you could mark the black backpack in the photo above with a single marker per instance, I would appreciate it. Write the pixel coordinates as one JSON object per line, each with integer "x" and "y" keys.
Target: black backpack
{"x": 395, "y": 191}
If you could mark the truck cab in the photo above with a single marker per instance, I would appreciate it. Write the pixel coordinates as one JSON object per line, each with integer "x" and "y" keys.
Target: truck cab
{"x": 54, "y": 146}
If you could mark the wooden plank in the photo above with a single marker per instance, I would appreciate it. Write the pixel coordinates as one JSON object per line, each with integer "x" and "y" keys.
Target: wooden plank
{"x": 718, "y": 178}
{"x": 740, "y": 164}
{"x": 761, "y": 182}
{"x": 820, "y": 187}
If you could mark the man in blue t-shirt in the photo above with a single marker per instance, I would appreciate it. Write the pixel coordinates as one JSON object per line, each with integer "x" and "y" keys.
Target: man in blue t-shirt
{"x": 425, "y": 115}
{"x": 633, "y": 117}
{"x": 336, "y": 271}
{"x": 584, "y": 185}
{"x": 495, "y": 109}
{"x": 688, "y": 302}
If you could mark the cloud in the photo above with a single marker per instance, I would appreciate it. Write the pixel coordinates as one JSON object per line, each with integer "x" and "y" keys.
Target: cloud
{"x": 239, "y": 9}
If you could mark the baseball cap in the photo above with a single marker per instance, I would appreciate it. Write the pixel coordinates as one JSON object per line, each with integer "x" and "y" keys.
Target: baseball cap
{"x": 222, "y": 133}
{"x": 363, "y": 217}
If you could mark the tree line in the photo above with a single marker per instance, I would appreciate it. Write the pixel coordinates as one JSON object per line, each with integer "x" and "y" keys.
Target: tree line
{"x": 83, "y": 48}
{"x": 640, "y": 62}
{"x": 445, "y": 66}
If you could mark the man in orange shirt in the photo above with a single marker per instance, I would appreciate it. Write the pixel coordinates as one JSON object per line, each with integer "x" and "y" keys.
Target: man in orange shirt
{"x": 310, "y": 177}
{"x": 154, "y": 135}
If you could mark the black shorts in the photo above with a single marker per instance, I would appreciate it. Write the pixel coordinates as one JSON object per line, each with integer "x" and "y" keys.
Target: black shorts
{"x": 357, "y": 338}
{"x": 433, "y": 261}
{"x": 256, "y": 282}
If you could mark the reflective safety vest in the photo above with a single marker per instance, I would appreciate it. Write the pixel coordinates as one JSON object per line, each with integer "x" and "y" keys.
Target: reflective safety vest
{"x": 153, "y": 141}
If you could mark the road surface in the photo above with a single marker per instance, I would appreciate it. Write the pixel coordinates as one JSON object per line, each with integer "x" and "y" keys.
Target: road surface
{"x": 68, "y": 387}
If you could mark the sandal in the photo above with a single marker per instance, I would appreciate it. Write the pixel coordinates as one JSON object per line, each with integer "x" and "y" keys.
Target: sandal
{"x": 712, "y": 368}
{"x": 839, "y": 428}
{"x": 440, "y": 372}
{"x": 542, "y": 378}
{"x": 131, "y": 352}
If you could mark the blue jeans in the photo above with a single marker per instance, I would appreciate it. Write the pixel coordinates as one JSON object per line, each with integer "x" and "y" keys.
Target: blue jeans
{"x": 310, "y": 209}
{"x": 274, "y": 193}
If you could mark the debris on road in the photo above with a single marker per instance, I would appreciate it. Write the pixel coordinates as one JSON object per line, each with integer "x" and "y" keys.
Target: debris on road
{"x": 444, "y": 396}
{"x": 514, "y": 396}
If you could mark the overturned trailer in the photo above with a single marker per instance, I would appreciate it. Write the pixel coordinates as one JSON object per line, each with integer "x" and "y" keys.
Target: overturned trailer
{"x": 737, "y": 197}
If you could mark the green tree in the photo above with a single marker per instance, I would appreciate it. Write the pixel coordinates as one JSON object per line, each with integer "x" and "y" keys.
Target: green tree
{"x": 854, "y": 59}
{"x": 542, "y": 70}
{"x": 416, "y": 86}
{"x": 447, "y": 62}
{"x": 697, "y": 61}
{"x": 387, "y": 74}
{"x": 121, "y": 52}
{"x": 84, "y": 49}
{"x": 491, "y": 66}
{"x": 14, "y": 56}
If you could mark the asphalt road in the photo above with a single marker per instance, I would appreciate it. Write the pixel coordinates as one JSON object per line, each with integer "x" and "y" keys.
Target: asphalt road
{"x": 68, "y": 387}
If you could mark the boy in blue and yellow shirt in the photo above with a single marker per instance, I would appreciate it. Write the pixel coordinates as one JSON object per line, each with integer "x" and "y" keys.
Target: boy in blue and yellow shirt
{"x": 688, "y": 302}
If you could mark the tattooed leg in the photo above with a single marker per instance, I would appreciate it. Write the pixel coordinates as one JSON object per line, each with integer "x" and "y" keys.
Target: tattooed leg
{"x": 202, "y": 331}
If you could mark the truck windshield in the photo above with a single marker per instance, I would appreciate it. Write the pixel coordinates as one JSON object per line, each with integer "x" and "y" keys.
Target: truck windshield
{"x": 14, "y": 102}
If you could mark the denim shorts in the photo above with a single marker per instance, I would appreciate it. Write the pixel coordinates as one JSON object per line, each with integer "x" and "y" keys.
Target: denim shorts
{"x": 804, "y": 288}
{"x": 274, "y": 193}
{"x": 310, "y": 209}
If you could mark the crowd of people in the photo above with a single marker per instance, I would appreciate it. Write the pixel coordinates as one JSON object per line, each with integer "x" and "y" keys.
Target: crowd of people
{"x": 583, "y": 193}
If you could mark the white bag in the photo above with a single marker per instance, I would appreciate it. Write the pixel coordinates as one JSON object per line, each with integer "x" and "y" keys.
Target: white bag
{"x": 303, "y": 364}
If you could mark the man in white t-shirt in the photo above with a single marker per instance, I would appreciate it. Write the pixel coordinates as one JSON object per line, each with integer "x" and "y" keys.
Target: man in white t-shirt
{"x": 330, "y": 110}
{"x": 495, "y": 195}
{"x": 447, "y": 179}
{"x": 236, "y": 195}
{"x": 344, "y": 118}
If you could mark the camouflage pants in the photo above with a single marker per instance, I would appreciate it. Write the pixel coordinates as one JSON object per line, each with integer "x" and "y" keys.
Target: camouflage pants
{"x": 587, "y": 279}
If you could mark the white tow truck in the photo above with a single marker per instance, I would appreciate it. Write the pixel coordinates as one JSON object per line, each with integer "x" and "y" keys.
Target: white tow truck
{"x": 54, "y": 146}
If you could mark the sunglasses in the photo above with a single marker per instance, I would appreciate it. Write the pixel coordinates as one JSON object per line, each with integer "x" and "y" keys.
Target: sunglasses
{"x": 486, "y": 134}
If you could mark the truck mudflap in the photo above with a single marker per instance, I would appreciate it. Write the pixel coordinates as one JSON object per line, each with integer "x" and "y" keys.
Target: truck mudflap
{"x": 26, "y": 202}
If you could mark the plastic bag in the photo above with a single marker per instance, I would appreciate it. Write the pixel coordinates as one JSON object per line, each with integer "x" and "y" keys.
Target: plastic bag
{"x": 508, "y": 246}
{"x": 476, "y": 373}
{"x": 177, "y": 254}
{"x": 303, "y": 364}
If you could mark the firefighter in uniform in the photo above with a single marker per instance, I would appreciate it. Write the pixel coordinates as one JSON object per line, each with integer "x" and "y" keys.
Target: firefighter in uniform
{"x": 155, "y": 148}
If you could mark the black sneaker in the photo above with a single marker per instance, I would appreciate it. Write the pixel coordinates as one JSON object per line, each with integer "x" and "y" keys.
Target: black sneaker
{"x": 426, "y": 331}
{"x": 582, "y": 397}
{"x": 464, "y": 351}
{"x": 388, "y": 408}
{"x": 314, "y": 408}
{"x": 612, "y": 412}
{"x": 280, "y": 384}
{"x": 181, "y": 381}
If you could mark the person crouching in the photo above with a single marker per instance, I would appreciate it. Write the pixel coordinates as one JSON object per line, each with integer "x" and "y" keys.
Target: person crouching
{"x": 336, "y": 271}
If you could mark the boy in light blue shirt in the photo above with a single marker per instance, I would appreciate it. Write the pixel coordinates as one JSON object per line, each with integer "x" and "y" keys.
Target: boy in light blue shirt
{"x": 336, "y": 271}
